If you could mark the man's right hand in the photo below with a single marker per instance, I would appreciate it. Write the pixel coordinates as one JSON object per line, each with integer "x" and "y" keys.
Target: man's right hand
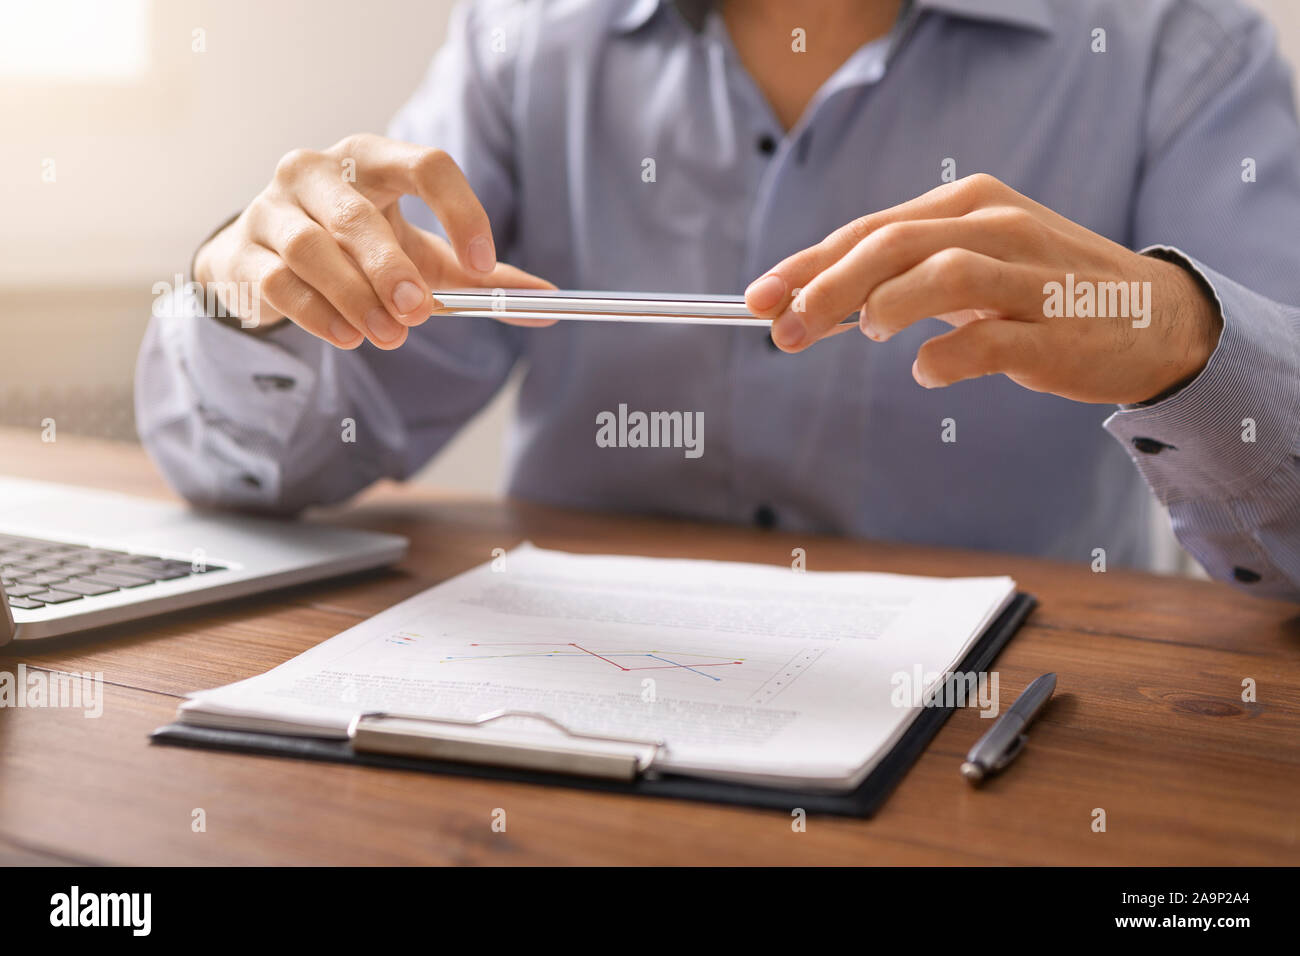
{"x": 325, "y": 245}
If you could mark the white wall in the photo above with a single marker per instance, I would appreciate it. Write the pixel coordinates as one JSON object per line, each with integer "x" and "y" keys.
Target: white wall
{"x": 145, "y": 167}
{"x": 1285, "y": 15}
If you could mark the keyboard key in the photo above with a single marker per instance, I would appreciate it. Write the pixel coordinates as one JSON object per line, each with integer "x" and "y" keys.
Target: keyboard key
{"x": 26, "y": 604}
{"x": 23, "y": 590}
{"x": 131, "y": 570}
{"x": 159, "y": 568}
{"x": 32, "y": 544}
{"x": 41, "y": 563}
{"x": 102, "y": 555}
{"x": 155, "y": 572}
{"x": 120, "y": 580}
{"x": 139, "y": 559}
{"x": 45, "y": 577}
{"x": 73, "y": 570}
{"x": 169, "y": 572}
{"x": 50, "y": 547}
{"x": 53, "y": 597}
{"x": 87, "y": 586}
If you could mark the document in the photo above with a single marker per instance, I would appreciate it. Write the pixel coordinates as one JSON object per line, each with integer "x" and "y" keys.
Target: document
{"x": 731, "y": 671}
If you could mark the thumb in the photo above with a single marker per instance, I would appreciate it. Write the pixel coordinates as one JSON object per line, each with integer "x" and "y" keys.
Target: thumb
{"x": 441, "y": 270}
{"x": 506, "y": 276}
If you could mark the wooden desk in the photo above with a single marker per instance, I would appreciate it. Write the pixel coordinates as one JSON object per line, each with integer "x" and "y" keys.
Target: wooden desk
{"x": 1148, "y": 722}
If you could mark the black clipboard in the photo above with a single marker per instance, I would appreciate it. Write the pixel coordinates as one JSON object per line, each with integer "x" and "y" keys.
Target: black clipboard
{"x": 861, "y": 802}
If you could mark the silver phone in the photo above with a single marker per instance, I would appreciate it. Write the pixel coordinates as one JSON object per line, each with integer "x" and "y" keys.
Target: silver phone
{"x": 597, "y": 306}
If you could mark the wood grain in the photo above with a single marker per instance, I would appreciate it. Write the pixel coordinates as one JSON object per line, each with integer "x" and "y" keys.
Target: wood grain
{"x": 1148, "y": 723}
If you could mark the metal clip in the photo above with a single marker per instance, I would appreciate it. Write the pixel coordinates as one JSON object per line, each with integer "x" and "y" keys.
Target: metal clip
{"x": 411, "y": 735}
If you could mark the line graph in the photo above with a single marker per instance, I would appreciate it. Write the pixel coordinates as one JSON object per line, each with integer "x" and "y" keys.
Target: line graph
{"x": 572, "y": 649}
{"x": 731, "y": 668}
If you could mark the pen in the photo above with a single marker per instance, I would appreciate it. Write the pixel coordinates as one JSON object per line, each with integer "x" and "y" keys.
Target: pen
{"x": 1006, "y": 737}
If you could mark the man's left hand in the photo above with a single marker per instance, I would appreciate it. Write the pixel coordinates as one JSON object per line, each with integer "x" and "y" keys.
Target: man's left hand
{"x": 1016, "y": 280}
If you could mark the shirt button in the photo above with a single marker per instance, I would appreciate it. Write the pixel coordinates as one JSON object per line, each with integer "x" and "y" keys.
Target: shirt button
{"x": 252, "y": 481}
{"x": 764, "y": 516}
{"x": 1149, "y": 446}
{"x": 1245, "y": 575}
{"x": 767, "y": 144}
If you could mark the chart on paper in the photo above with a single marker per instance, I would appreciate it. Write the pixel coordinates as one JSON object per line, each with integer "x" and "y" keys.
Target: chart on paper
{"x": 640, "y": 659}
{"x": 734, "y": 671}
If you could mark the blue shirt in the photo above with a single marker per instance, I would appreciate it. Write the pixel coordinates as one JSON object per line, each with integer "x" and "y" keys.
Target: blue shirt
{"x": 1182, "y": 134}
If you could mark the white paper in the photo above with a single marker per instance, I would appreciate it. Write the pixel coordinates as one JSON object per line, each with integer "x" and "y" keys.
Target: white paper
{"x": 740, "y": 670}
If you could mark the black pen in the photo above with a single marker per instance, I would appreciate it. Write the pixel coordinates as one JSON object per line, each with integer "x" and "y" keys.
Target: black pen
{"x": 1006, "y": 737}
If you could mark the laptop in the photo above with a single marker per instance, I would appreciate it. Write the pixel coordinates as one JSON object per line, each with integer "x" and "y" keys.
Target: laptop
{"x": 73, "y": 558}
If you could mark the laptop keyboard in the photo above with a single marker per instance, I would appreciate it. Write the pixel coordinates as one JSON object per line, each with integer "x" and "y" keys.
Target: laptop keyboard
{"x": 37, "y": 573}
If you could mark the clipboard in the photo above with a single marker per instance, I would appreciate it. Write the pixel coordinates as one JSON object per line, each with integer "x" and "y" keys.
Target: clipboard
{"x": 399, "y": 748}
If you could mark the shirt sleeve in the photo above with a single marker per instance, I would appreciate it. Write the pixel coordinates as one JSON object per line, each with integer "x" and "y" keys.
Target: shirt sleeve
{"x": 1221, "y": 195}
{"x": 283, "y": 421}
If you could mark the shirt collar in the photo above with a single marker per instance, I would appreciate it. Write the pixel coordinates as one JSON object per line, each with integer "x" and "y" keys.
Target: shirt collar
{"x": 1031, "y": 14}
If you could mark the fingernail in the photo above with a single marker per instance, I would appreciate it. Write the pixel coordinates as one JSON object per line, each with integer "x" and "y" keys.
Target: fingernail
{"x": 788, "y": 330}
{"x": 406, "y": 297}
{"x": 919, "y": 376}
{"x": 864, "y": 323}
{"x": 481, "y": 254}
{"x": 765, "y": 293}
{"x": 382, "y": 326}
{"x": 342, "y": 332}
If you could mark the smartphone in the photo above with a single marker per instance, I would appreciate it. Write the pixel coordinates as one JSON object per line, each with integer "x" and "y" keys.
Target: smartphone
{"x": 597, "y": 306}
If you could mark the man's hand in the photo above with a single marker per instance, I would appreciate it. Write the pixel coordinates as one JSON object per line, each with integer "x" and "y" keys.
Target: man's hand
{"x": 325, "y": 245}
{"x": 1015, "y": 280}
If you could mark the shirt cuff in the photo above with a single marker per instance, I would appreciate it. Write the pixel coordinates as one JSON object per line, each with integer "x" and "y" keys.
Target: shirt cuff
{"x": 253, "y": 382}
{"x": 1230, "y": 428}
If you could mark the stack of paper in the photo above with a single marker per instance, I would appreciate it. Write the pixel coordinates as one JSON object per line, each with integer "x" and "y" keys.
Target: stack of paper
{"x": 745, "y": 672}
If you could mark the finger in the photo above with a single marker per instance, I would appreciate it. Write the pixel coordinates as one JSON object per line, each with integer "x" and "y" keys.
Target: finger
{"x": 982, "y": 348}
{"x": 953, "y": 282}
{"x": 1003, "y": 232}
{"x": 282, "y": 289}
{"x": 836, "y": 331}
{"x": 431, "y": 174}
{"x": 441, "y": 270}
{"x": 507, "y": 277}
{"x": 357, "y": 226}
{"x": 317, "y": 259}
{"x": 771, "y": 294}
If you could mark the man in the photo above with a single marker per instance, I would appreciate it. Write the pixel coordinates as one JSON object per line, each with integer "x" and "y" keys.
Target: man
{"x": 1100, "y": 199}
